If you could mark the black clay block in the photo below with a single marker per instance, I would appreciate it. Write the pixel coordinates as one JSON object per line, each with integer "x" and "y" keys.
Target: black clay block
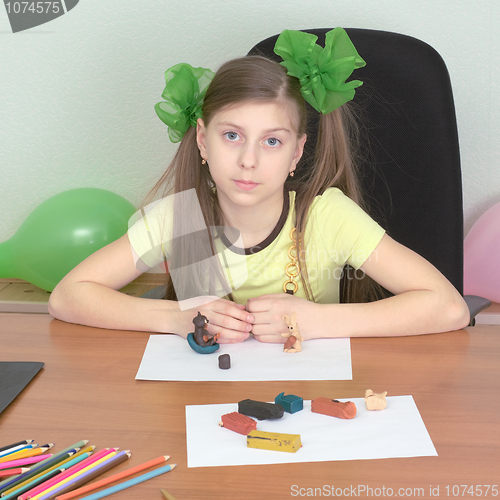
{"x": 260, "y": 410}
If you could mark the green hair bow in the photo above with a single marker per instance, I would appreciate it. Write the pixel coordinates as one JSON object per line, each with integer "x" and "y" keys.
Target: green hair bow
{"x": 184, "y": 92}
{"x": 322, "y": 72}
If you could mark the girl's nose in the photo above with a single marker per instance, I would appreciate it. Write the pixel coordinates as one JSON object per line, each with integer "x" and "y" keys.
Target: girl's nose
{"x": 248, "y": 157}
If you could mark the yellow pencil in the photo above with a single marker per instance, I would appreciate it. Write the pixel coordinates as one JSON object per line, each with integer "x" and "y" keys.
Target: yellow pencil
{"x": 167, "y": 495}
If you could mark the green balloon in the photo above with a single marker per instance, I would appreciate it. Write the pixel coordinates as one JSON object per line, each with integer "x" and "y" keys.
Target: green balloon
{"x": 61, "y": 232}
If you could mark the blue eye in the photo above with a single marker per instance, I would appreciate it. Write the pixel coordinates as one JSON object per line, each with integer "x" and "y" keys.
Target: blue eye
{"x": 273, "y": 142}
{"x": 232, "y": 136}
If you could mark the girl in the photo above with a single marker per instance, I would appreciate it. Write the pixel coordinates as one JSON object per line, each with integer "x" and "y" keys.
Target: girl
{"x": 296, "y": 232}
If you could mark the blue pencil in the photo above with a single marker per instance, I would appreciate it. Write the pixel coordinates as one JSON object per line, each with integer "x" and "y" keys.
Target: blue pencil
{"x": 129, "y": 483}
{"x": 9, "y": 479}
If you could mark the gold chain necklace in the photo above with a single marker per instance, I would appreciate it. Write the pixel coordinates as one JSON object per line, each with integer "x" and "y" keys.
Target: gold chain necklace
{"x": 292, "y": 269}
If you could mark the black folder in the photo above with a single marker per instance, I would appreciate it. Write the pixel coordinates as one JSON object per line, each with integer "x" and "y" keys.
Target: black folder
{"x": 14, "y": 377}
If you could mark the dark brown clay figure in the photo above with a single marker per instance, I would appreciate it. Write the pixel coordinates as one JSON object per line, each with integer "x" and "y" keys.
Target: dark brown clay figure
{"x": 200, "y": 340}
{"x": 201, "y": 335}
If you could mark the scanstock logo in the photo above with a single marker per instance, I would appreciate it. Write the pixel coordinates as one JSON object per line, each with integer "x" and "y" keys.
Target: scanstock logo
{"x": 26, "y": 15}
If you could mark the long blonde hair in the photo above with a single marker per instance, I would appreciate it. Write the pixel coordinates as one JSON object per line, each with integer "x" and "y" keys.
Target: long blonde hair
{"x": 256, "y": 78}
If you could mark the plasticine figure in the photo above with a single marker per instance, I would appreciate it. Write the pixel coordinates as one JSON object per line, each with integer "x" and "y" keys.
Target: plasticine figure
{"x": 201, "y": 335}
{"x": 293, "y": 336}
{"x": 375, "y": 401}
{"x": 200, "y": 340}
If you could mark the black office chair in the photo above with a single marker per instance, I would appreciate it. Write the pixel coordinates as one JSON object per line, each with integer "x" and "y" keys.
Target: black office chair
{"x": 413, "y": 177}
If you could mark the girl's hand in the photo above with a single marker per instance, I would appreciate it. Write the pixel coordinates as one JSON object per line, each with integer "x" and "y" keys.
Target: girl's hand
{"x": 226, "y": 318}
{"x": 268, "y": 311}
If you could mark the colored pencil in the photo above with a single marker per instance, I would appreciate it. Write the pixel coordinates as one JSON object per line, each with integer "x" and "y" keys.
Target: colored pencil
{"x": 26, "y": 453}
{"x": 114, "y": 478}
{"x": 40, "y": 480}
{"x": 13, "y": 472}
{"x": 19, "y": 443}
{"x": 65, "y": 468}
{"x": 75, "y": 464}
{"x": 17, "y": 448}
{"x": 83, "y": 477}
{"x": 129, "y": 483}
{"x": 66, "y": 464}
{"x": 42, "y": 466}
{"x": 24, "y": 461}
{"x": 167, "y": 495}
{"x": 45, "y": 490}
{"x": 10, "y": 450}
{"x": 78, "y": 445}
{"x": 59, "y": 457}
{"x": 4, "y": 481}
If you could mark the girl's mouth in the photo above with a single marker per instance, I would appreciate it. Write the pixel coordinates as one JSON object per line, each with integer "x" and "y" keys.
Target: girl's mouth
{"x": 245, "y": 185}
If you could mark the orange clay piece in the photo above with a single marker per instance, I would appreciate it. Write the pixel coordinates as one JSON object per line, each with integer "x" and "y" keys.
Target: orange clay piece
{"x": 375, "y": 401}
{"x": 333, "y": 408}
{"x": 293, "y": 336}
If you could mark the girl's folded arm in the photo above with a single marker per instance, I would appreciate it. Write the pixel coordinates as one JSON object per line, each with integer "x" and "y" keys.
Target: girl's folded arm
{"x": 424, "y": 300}
{"x": 89, "y": 294}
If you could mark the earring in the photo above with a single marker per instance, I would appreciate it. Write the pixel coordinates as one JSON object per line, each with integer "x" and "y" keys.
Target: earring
{"x": 203, "y": 161}
{"x": 292, "y": 173}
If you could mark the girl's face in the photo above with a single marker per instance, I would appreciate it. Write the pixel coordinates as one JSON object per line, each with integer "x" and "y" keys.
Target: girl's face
{"x": 251, "y": 148}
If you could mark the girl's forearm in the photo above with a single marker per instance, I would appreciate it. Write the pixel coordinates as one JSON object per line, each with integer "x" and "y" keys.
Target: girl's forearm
{"x": 96, "y": 305}
{"x": 411, "y": 313}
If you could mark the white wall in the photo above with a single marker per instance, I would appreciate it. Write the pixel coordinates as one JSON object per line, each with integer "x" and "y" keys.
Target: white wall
{"x": 77, "y": 94}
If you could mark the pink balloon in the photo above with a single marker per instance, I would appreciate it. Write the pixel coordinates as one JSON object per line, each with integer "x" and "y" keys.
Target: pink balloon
{"x": 482, "y": 256}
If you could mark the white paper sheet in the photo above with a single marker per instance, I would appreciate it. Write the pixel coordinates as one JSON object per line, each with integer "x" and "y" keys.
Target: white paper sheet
{"x": 397, "y": 431}
{"x": 169, "y": 357}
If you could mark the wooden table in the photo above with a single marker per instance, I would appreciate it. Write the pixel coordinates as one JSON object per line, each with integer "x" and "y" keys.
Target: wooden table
{"x": 88, "y": 390}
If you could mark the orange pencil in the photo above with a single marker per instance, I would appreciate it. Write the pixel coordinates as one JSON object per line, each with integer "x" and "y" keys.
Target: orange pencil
{"x": 112, "y": 479}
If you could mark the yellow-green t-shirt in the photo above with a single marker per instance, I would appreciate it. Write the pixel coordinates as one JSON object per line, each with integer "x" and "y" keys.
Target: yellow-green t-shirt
{"x": 338, "y": 232}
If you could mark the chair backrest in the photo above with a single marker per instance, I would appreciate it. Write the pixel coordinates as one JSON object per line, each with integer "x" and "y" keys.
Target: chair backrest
{"x": 412, "y": 179}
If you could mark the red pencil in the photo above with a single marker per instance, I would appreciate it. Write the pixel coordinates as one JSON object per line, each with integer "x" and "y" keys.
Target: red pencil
{"x": 13, "y": 472}
{"x": 112, "y": 479}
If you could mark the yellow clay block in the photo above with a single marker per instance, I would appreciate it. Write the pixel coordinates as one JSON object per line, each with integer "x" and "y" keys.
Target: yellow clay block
{"x": 273, "y": 441}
